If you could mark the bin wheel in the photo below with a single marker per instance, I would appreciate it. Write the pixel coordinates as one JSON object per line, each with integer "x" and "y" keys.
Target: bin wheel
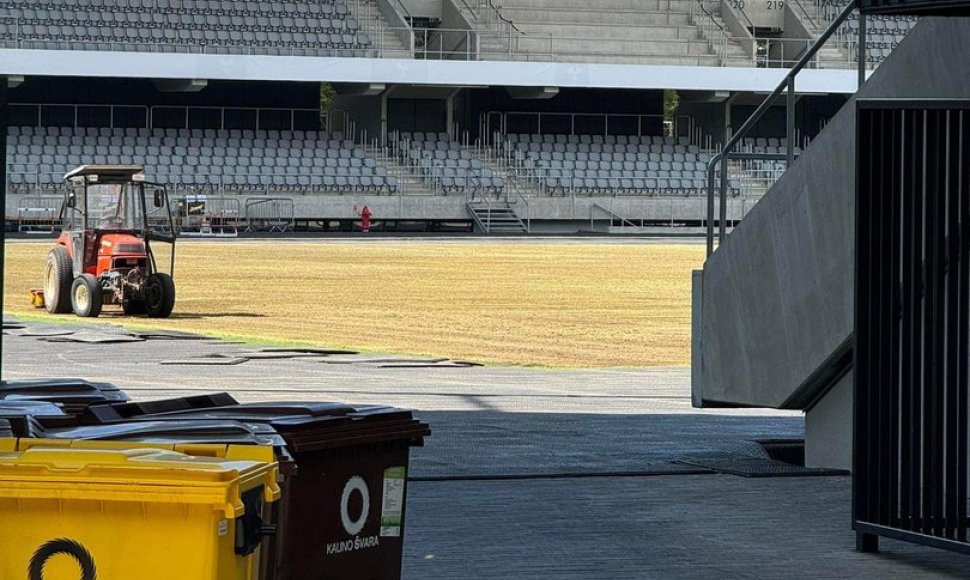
{"x": 159, "y": 295}
{"x": 86, "y": 296}
{"x": 57, "y": 281}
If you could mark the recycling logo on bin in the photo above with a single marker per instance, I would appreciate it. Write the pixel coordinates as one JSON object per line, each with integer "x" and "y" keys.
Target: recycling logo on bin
{"x": 352, "y": 526}
{"x": 353, "y": 522}
{"x": 66, "y": 547}
{"x": 354, "y": 519}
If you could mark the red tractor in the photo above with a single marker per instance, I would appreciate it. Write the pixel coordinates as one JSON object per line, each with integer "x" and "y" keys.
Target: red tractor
{"x": 110, "y": 217}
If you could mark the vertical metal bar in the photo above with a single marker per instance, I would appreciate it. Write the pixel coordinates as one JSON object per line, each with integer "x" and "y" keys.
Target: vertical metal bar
{"x": 889, "y": 165}
{"x": 862, "y": 435}
{"x": 916, "y": 265}
{"x": 875, "y": 310}
{"x": 929, "y": 339}
{"x": 950, "y": 321}
{"x": 907, "y": 299}
{"x": 939, "y": 323}
{"x": 722, "y": 217}
{"x": 791, "y": 121}
{"x": 963, "y": 324}
{"x": 710, "y": 209}
{"x": 886, "y": 318}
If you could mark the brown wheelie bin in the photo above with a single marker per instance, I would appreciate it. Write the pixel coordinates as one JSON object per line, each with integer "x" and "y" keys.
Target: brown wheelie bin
{"x": 343, "y": 507}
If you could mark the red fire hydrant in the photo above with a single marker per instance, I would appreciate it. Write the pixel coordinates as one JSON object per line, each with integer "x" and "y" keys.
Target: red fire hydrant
{"x": 365, "y": 220}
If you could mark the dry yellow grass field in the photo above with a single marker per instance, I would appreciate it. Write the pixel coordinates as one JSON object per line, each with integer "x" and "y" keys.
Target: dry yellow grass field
{"x": 548, "y": 304}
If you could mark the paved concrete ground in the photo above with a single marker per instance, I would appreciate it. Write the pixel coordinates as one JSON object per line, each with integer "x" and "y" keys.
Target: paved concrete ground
{"x": 523, "y": 474}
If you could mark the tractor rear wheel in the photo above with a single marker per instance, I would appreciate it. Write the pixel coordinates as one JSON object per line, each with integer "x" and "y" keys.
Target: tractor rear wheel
{"x": 159, "y": 295}
{"x": 57, "y": 281}
{"x": 86, "y": 296}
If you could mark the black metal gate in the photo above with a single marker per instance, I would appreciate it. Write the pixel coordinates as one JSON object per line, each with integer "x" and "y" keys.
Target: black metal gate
{"x": 912, "y": 304}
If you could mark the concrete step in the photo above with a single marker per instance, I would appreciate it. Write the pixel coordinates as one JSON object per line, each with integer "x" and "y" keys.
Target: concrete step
{"x": 612, "y": 32}
{"x": 521, "y": 16}
{"x": 614, "y": 5}
{"x": 373, "y": 23}
{"x": 640, "y": 59}
{"x": 629, "y": 48}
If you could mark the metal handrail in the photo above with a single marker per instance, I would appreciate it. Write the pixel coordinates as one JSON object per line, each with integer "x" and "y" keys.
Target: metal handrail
{"x": 613, "y": 215}
{"x": 501, "y": 119}
{"x": 528, "y": 205}
{"x": 710, "y": 27}
{"x": 725, "y": 153}
{"x": 805, "y": 13}
{"x": 804, "y": 44}
{"x": 423, "y": 42}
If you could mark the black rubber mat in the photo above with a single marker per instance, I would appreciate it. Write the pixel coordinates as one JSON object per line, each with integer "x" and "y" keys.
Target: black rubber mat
{"x": 750, "y": 459}
{"x": 445, "y": 364}
{"x": 206, "y": 361}
{"x": 167, "y": 335}
{"x": 382, "y": 361}
{"x": 39, "y": 333}
{"x": 322, "y": 351}
{"x": 278, "y": 355}
{"x": 93, "y": 338}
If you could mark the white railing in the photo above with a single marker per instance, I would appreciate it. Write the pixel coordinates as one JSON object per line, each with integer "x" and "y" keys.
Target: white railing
{"x": 785, "y": 52}
{"x": 109, "y": 113}
{"x": 207, "y": 215}
{"x": 495, "y": 124}
{"x": 38, "y": 214}
{"x": 711, "y": 31}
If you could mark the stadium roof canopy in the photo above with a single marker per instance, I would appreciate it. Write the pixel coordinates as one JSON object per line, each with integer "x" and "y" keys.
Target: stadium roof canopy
{"x": 61, "y": 63}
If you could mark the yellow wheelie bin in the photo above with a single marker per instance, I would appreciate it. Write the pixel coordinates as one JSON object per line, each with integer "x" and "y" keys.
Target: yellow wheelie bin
{"x": 146, "y": 513}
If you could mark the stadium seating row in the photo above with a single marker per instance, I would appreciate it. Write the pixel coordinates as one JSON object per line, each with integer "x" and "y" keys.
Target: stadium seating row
{"x": 279, "y": 162}
{"x": 325, "y": 28}
{"x": 609, "y": 164}
{"x": 294, "y": 161}
{"x": 883, "y": 33}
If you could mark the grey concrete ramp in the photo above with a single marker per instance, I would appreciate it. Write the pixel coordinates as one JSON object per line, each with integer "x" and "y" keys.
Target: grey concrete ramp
{"x": 773, "y": 307}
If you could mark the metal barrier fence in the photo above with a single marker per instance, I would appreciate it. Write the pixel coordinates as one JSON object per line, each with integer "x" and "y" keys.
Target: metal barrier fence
{"x": 272, "y": 214}
{"x": 912, "y": 324}
{"x": 39, "y": 214}
{"x": 207, "y": 216}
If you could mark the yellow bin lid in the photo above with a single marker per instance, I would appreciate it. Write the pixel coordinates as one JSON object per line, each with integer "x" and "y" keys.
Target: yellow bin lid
{"x": 137, "y": 475}
{"x": 258, "y": 453}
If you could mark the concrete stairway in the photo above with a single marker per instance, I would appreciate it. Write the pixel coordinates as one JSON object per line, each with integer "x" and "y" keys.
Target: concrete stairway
{"x": 630, "y": 32}
{"x": 388, "y": 43}
{"x": 496, "y": 217}
{"x": 833, "y": 55}
{"x": 408, "y": 182}
{"x": 516, "y": 188}
{"x": 773, "y": 307}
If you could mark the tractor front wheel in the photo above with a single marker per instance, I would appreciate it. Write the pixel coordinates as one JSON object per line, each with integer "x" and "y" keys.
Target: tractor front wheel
{"x": 57, "y": 281}
{"x": 159, "y": 295}
{"x": 86, "y": 296}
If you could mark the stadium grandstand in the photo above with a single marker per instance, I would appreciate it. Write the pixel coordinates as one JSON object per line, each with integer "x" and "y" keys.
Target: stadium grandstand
{"x": 536, "y": 115}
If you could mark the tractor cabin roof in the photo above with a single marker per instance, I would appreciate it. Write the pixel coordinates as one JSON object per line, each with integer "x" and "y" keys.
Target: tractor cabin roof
{"x": 107, "y": 173}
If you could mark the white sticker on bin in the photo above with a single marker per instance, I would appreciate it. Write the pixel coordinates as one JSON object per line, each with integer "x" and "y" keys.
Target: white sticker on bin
{"x": 392, "y": 508}
{"x": 223, "y": 528}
